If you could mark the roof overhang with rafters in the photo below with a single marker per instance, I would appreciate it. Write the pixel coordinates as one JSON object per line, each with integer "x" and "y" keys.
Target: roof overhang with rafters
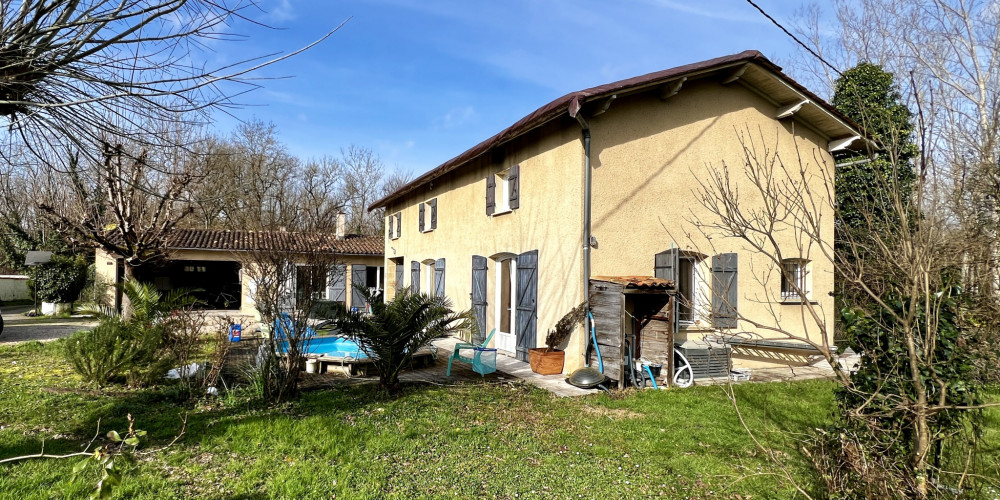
{"x": 749, "y": 69}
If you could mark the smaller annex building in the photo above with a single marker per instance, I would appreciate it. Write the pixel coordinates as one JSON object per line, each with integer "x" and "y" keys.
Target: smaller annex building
{"x": 211, "y": 262}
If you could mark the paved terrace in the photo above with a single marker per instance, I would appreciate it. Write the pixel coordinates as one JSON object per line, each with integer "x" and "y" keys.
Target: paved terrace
{"x": 509, "y": 369}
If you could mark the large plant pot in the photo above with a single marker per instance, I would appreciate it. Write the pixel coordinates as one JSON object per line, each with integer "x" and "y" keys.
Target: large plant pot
{"x": 50, "y": 308}
{"x": 546, "y": 363}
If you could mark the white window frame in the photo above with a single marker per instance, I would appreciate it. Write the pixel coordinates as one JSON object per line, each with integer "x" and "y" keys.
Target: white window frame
{"x": 497, "y": 290}
{"x": 426, "y": 218}
{"x": 396, "y": 229}
{"x": 800, "y": 274}
{"x": 427, "y": 277}
{"x": 501, "y": 199}
{"x": 696, "y": 285}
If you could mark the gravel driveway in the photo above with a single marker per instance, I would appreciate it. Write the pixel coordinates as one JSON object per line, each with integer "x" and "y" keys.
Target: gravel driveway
{"x": 19, "y": 328}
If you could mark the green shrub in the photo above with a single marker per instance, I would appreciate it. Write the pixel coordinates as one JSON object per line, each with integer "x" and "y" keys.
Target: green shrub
{"x": 60, "y": 280}
{"x": 115, "y": 348}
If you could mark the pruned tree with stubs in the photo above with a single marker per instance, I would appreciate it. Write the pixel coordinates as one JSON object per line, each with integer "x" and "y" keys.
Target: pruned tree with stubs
{"x": 123, "y": 204}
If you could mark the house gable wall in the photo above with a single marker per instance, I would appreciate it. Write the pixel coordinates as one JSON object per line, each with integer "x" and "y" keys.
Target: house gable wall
{"x": 649, "y": 157}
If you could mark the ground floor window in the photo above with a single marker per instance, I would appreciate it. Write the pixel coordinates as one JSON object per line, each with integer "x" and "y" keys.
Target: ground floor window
{"x": 688, "y": 282}
{"x": 310, "y": 283}
{"x": 215, "y": 283}
{"x": 794, "y": 274}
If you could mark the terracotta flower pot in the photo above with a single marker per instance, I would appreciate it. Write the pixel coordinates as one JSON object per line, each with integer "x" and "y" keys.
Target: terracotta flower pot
{"x": 546, "y": 363}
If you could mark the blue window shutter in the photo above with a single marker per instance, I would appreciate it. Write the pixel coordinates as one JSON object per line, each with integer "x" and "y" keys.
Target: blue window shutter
{"x": 359, "y": 273}
{"x": 724, "y": 291}
{"x": 434, "y": 213}
{"x": 526, "y": 316}
{"x": 491, "y": 194}
{"x": 415, "y": 277}
{"x": 337, "y": 290}
{"x": 665, "y": 264}
{"x": 420, "y": 218}
{"x": 479, "y": 294}
{"x": 399, "y": 275}
{"x": 439, "y": 278}
{"x": 514, "y": 184}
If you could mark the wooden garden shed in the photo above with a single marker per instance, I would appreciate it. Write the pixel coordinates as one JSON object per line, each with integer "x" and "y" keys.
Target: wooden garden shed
{"x": 636, "y": 310}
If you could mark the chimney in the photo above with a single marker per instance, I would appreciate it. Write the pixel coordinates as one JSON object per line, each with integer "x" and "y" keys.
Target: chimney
{"x": 341, "y": 222}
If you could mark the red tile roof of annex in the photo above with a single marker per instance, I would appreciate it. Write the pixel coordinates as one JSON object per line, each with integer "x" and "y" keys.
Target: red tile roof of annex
{"x": 218, "y": 239}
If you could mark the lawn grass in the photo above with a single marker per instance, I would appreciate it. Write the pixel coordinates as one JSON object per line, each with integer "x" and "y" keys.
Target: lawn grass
{"x": 503, "y": 440}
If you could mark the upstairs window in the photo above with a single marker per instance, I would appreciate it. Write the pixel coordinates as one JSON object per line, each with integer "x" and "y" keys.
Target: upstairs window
{"x": 395, "y": 225}
{"x": 427, "y": 219}
{"x": 503, "y": 191}
{"x": 794, "y": 279}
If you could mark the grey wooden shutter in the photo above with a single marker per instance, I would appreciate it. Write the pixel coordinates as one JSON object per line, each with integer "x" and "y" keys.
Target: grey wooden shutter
{"x": 359, "y": 275}
{"x": 526, "y": 317}
{"x": 434, "y": 213}
{"x": 420, "y": 218}
{"x": 399, "y": 275}
{"x": 399, "y": 224}
{"x": 415, "y": 277}
{"x": 514, "y": 184}
{"x": 337, "y": 290}
{"x": 491, "y": 194}
{"x": 439, "y": 278}
{"x": 665, "y": 264}
{"x": 479, "y": 294}
{"x": 288, "y": 292}
{"x": 724, "y": 292}
{"x": 391, "y": 234}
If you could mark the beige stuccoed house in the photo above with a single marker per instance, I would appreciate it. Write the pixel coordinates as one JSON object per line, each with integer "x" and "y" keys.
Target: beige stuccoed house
{"x": 603, "y": 182}
{"x": 212, "y": 262}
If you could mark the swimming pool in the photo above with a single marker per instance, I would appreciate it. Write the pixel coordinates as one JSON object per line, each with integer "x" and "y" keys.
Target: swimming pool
{"x": 331, "y": 347}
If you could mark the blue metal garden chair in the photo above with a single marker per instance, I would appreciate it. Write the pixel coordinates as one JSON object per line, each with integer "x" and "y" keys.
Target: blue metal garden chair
{"x": 483, "y": 359}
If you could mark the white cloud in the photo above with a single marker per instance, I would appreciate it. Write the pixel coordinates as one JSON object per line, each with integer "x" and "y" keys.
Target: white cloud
{"x": 458, "y": 116}
{"x": 739, "y": 15}
{"x": 283, "y": 10}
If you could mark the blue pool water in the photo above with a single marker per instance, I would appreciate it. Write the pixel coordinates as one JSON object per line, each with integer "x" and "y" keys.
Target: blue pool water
{"x": 336, "y": 347}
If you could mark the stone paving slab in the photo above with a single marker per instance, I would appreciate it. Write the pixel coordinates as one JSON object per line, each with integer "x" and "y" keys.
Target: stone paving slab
{"x": 509, "y": 369}
{"x": 555, "y": 384}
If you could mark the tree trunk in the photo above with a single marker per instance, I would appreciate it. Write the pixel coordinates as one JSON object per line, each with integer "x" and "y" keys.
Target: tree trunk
{"x": 921, "y": 449}
{"x": 126, "y": 304}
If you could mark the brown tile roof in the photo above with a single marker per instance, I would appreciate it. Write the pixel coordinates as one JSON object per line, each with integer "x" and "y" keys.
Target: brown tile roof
{"x": 637, "y": 282}
{"x": 572, "y": 102}
{"x": 217, "y": 239}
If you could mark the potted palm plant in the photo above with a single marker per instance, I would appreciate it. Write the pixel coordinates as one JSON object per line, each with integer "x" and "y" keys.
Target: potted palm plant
{"x": 549, "y": 360}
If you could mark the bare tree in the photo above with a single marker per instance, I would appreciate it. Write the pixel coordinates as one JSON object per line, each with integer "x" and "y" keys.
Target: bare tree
{"x": 72, "y": 70}
{"x": 289, "y": 273}
{"x": 124, "y": 204}
{"x": 947, "y": 56}
{"x": 320, "y": 192}
{"x": 916, "y": 386}
{"x": 364, "y": 173}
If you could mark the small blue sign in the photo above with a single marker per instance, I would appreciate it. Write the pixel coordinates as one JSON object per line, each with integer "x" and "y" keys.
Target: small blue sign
{"x": 235, "y": 332}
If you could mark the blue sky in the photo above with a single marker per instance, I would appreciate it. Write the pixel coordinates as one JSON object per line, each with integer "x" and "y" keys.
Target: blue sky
{"x": 419, "y": 82}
